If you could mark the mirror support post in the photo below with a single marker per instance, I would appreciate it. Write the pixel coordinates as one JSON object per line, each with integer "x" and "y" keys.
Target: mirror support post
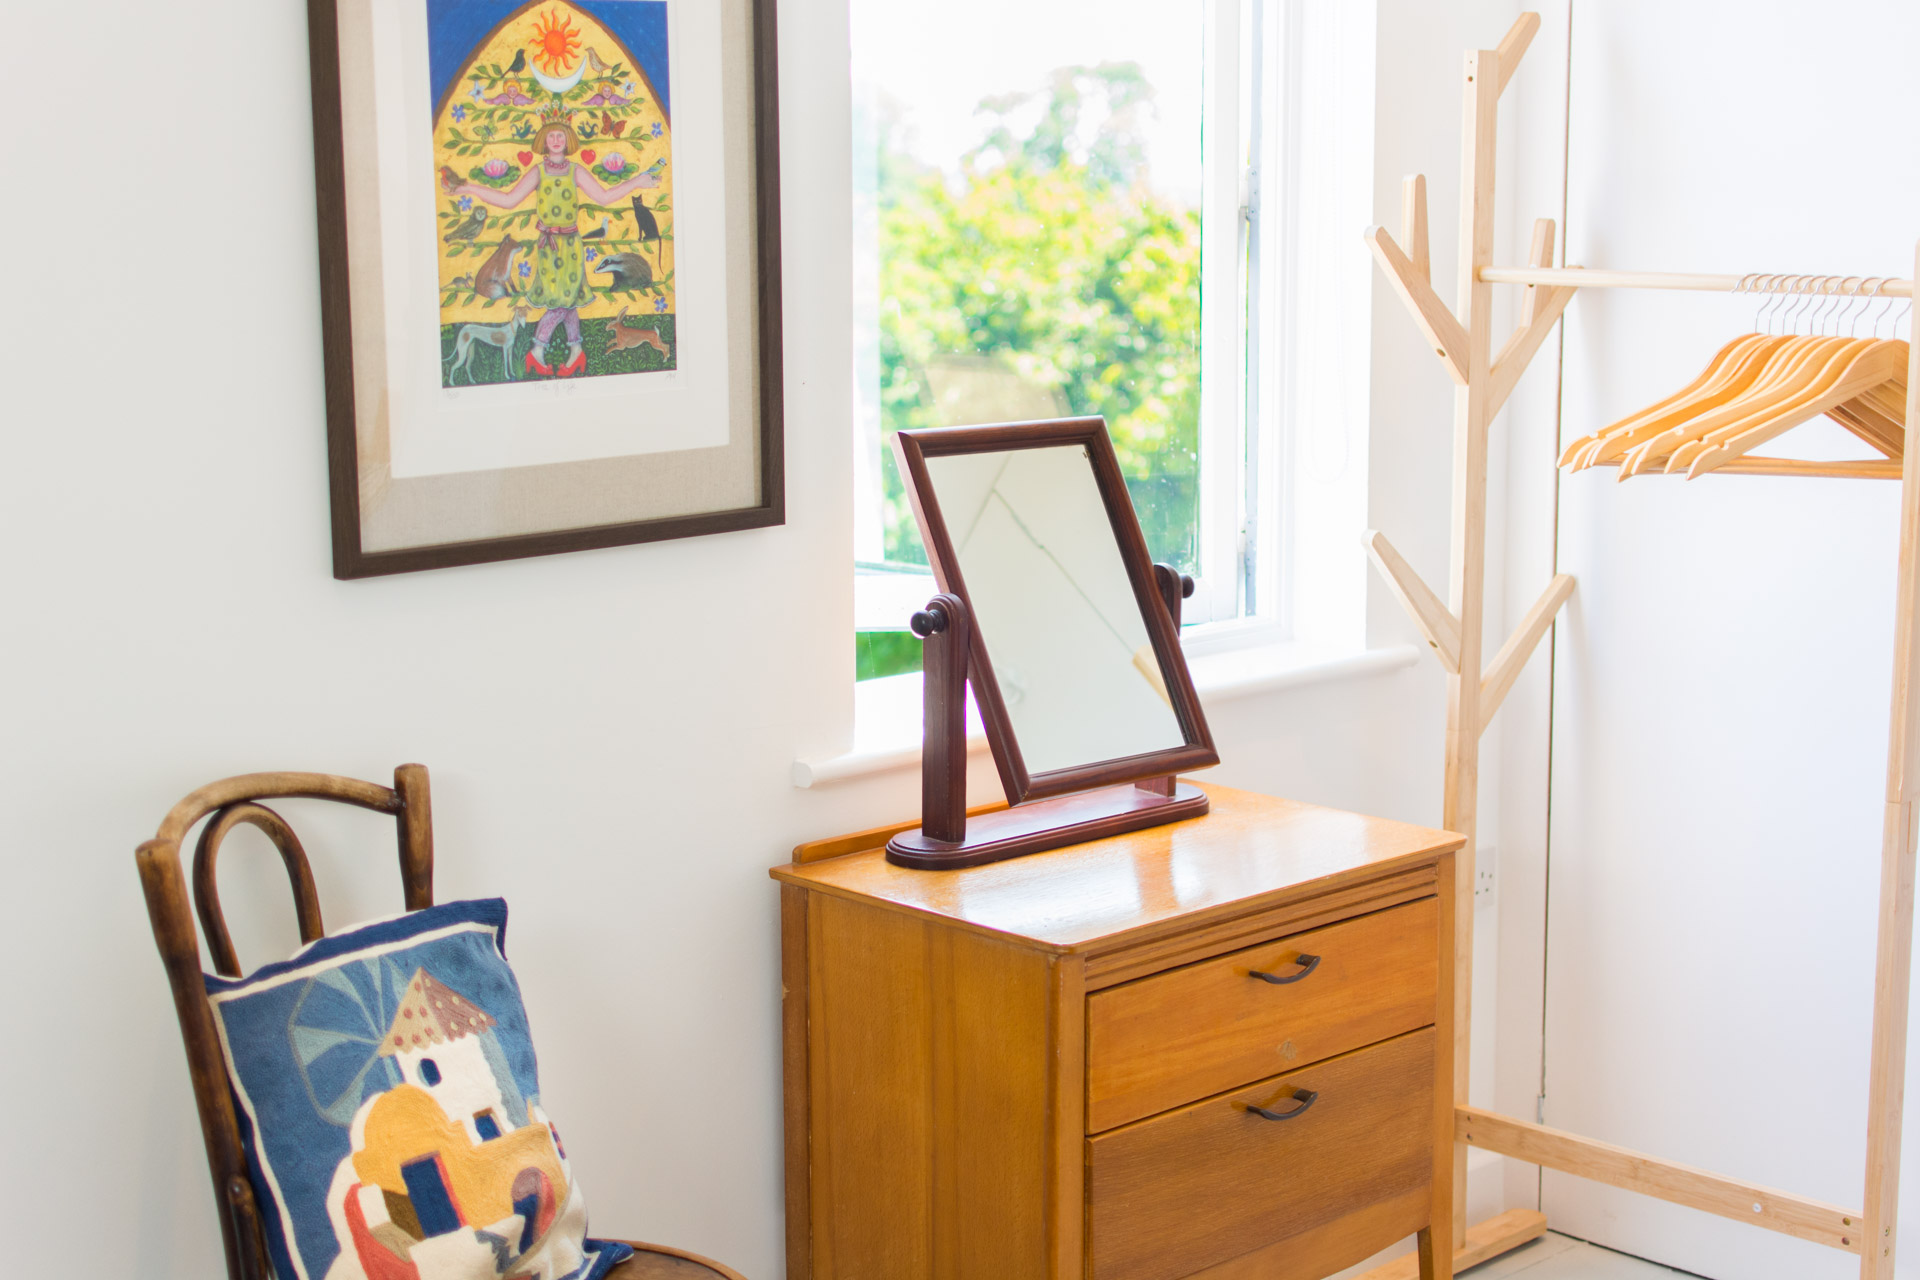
{"x": 945, "y": 630}
{"x": 1174, "y": 587}
{"x": 942, "y": 841}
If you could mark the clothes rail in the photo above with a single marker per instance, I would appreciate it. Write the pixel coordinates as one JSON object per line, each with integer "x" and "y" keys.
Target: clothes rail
{"x": 1757, "y": 282}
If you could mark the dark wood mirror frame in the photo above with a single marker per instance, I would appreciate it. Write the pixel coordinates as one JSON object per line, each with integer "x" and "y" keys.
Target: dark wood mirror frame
{"x": 949, "y": 632}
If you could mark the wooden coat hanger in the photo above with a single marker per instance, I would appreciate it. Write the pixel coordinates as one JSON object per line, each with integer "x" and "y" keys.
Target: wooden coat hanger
{"x": 1800, "y": 371}
{"x": 1787, "y": 369}
{"x": 1760, "y": 385}
{"x": 1730, "y": 373}
{"x": 1872, "y": 362}
{"x": 1736, "y": 367}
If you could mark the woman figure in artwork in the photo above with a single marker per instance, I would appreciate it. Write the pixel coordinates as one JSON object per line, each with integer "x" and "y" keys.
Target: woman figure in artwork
{"x": 559, "y": 269}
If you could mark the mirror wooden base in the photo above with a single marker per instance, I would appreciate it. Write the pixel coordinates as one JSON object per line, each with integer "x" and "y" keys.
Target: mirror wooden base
{"x": 1048, "y": 824}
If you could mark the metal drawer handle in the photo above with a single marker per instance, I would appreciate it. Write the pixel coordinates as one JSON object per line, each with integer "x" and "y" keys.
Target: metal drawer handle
{"x": 1307, "y": 965}
{"x": 1305, "y": 1097}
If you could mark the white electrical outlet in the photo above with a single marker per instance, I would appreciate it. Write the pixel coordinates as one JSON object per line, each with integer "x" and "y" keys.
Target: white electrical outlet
{"x": 1485, "y": 864}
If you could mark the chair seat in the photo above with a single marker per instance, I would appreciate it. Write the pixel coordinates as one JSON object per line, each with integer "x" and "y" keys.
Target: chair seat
{"x": 658, "y": 1262}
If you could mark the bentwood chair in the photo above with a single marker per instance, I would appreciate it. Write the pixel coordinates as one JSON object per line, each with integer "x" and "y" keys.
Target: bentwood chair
{"x": 234, "y": 802}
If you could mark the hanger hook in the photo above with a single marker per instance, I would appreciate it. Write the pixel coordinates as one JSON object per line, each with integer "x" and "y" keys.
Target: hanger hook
{"x": 1790, "y": 288}
{"x": 1782, "y": 297}
{"x": 1862, "y": 303}
{"x": 1886, "y": 310}
{"x": 1769, "y": 286}
{"x": 1842, "y": 290}
{"x": 1828, "y": 291}
{"x": 1851, "y": 310}
{"x": 1805, "y": 286}
{"x": 1822, "y": 300}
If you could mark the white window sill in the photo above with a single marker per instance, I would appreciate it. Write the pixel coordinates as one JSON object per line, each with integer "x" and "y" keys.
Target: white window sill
{"x": 887, "y": 716}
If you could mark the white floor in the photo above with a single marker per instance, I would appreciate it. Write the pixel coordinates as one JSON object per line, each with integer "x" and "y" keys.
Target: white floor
{"x": 1558, "y": 1257}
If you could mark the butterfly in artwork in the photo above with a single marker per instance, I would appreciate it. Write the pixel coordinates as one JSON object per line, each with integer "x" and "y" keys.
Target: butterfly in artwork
{"x": 611, "y": 127}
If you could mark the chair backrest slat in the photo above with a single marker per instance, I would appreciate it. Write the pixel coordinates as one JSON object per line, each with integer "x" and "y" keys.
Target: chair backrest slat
{"x": 233, "y": 803}
{"x": 206, "y": 885}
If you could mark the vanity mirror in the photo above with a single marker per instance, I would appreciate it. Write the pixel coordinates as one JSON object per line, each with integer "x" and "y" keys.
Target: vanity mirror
{"x": 1052, "y": 610}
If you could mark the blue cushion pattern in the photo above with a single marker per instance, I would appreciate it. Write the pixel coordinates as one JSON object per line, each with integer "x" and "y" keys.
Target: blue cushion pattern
{"x": 390, "y": 1103}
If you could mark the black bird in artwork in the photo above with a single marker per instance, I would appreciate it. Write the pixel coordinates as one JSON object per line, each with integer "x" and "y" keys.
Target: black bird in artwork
{"x": 646, "y": 225}
{"x": 519, "y": 61}
{"x": 600, "y": 234}
{"x": 629, "y": 271}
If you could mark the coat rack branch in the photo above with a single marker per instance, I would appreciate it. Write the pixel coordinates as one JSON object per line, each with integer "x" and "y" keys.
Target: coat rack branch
{"x": 1508, "y": 663}
{"x": 1513, "y": 46}
{"x": 1521, "y": 348}
{"x": 1444, "y": 333}
{"x": 1435, "y": 620}
{"x": 1413, "y": 225}
{"x": 1538, "y": 314}
{"x": 1539, "y": 254}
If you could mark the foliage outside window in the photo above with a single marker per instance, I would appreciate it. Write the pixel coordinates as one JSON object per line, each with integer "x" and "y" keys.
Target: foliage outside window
{"x": 1052, "y": 258}
{"x": 1032, "y": 248}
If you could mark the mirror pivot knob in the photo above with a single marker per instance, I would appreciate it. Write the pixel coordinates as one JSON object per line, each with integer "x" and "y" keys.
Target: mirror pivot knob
{"x": 928, "y": 622}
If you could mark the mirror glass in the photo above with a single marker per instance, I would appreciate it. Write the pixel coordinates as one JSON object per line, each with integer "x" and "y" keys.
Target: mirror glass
{"x": 1053, "y": 605}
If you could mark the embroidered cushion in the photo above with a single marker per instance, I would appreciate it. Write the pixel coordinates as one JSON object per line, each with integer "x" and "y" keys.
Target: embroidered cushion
{"x": 390, "y": 1104}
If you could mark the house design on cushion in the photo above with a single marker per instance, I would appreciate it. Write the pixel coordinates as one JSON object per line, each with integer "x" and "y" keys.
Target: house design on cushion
{"x": 453, "y": 1175}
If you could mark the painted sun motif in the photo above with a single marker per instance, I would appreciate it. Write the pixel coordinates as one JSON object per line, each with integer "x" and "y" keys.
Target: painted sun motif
{"x": 556, "y": 45}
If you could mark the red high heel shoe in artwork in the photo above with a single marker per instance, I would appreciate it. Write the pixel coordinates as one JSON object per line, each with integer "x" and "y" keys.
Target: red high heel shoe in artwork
{"x": 536, "y": 365}
{"x": 576, "y": 365}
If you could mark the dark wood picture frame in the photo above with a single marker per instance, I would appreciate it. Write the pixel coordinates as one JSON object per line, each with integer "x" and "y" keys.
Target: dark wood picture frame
{"x": 350, "y": 559}
{"x": 911, "y": 450}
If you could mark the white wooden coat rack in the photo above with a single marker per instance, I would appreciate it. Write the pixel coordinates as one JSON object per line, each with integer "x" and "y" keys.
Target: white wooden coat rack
{"x": 1483, "y": 380}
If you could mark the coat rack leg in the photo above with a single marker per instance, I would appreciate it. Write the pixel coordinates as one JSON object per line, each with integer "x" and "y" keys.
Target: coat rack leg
{"x": 1462, "y": 339}
{"x": 1894, "y": 953}
{"x": 1469, "y": 558}
{"x": 1890, "y": 992}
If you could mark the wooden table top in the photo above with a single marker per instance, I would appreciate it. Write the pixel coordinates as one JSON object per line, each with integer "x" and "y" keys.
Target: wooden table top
{"x": 1250, "y": 847}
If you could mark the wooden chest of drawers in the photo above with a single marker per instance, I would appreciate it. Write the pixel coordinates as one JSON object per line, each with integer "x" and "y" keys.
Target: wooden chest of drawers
{"x": 1219, "y": 1048}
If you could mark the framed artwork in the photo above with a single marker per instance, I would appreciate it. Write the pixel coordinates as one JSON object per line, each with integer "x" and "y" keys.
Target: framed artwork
{"x": 549, "y": 268}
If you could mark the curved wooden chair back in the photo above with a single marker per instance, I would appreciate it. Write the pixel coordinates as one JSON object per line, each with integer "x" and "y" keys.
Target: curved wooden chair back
{"x": 235, "y": 802}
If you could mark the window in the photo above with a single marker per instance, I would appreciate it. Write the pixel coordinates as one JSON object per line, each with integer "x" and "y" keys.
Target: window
{"x": 1057, "y": 213}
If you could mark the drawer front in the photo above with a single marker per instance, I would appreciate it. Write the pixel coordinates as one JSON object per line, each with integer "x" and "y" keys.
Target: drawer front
{"x": 1210, "y": 1182}
{"x": 1211, "y": 1026}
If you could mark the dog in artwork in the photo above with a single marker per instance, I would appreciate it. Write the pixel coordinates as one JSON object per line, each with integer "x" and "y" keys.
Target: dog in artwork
{"x": 473, "y": 336}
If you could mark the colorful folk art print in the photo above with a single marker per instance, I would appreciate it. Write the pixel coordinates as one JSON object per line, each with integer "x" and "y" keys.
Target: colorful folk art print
{"x": 553, "y": 181}
{"x": 390, "y": 1102}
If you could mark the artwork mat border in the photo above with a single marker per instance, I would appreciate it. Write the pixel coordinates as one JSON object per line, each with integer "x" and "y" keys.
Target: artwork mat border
{"x": 350, "y": 558}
